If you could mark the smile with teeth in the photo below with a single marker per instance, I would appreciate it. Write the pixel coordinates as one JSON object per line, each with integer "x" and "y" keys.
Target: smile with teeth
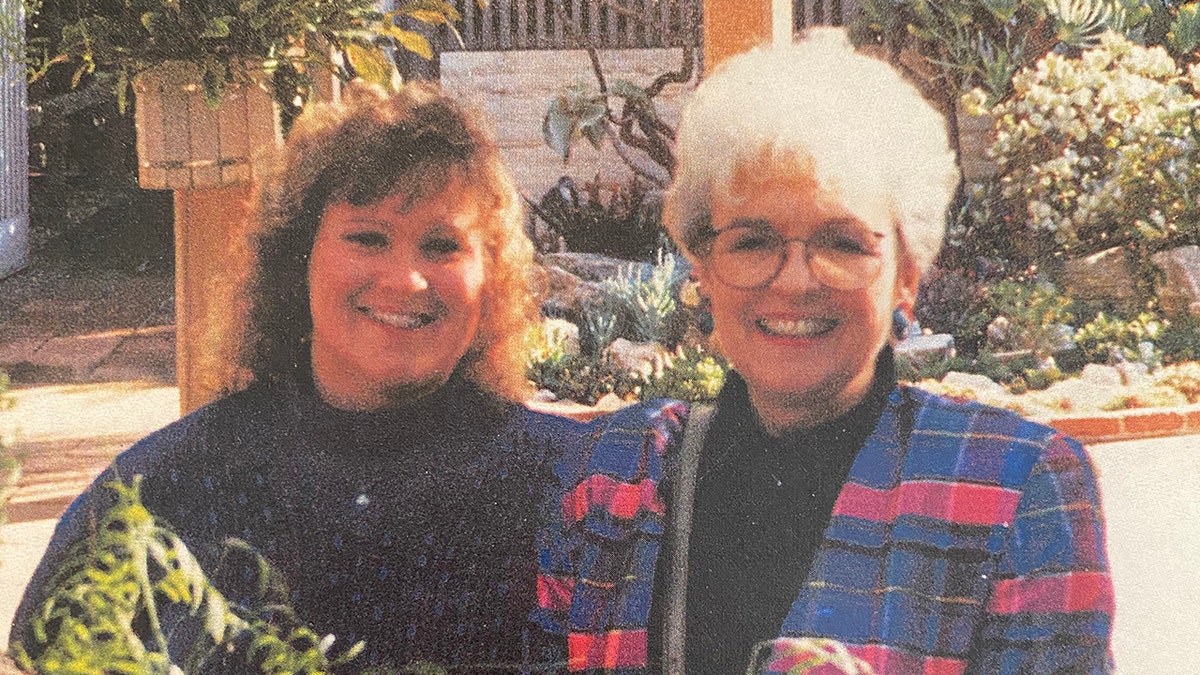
{"x": 800, "y": 328}
{"x": 402, "y": 320}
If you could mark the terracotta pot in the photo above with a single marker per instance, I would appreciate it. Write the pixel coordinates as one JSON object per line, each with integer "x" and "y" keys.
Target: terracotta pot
{"x": 182, "y": 143}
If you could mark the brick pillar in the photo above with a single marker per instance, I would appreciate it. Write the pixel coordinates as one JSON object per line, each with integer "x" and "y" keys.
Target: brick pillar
{"x": 735, "y": 26}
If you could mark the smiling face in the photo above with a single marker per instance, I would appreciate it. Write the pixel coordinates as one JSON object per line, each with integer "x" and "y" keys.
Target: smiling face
{"x": 396, "y": 294}
{"x": 807, "y": 351}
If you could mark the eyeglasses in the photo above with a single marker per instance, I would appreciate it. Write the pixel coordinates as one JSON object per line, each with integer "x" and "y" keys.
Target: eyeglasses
{"x": 839, "y": 254}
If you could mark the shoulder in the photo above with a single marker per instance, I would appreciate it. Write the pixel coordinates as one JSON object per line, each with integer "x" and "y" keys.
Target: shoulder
{"x": 975, "y": 441}
{"x": 223, "y": 422}
{"x": 621, "y": 443}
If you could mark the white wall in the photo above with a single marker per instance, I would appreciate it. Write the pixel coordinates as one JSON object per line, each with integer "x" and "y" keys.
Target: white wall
{"x": 14, "y": 143}
{"x": 514, "y": 88}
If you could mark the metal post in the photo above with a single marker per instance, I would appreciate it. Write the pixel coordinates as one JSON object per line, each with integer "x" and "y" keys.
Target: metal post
{"x": 14, "y": 141}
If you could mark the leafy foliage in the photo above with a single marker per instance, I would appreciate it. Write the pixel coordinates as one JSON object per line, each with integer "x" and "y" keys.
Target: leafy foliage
{"x": 1101, "y": 150}
{"x": 1033, "y": 311}
{"x": 622, "y": 221}
{"x": 1179, "y": 340}
{"x": 640, "y": 136}
{"x": 227, "y": 40}
{"x": 688, "y": 374}
{"x": 648, "y": 301}
{"x": 1106, "y": 337}
{"x": 102, "y": 612}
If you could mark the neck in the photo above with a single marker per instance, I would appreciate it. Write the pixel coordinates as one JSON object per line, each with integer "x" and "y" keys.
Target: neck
{"x": 371, "y": 399}
{"x": 793, "y": 411}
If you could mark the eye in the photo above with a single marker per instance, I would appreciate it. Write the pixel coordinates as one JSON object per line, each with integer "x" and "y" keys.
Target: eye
{"x": 749, "y": 240}
{"x": 368, "y": 238}
{"x": 441, "y": 245}
{"x": 847, "y": 240}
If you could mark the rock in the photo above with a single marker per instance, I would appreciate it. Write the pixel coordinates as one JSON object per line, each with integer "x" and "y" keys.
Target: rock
{"x": 592, "y": 266}
{"x": 926, "y": 348}
{"x": 568, "y": 299}
{"x": 1180, "y": 293}
{"x": 1101, "y": 376}
{"x": 998, "y": 331}
{"x": 634, "y": 355}
{"x": 563, "y": 329}
{"x": 1134, "y": 374}
{"x": 980, "y": 384}
{"x": 1106, "y": 277}
{"x": 1078, "y": 394}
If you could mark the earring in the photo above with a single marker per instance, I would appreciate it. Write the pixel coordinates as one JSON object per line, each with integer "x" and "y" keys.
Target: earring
{"x": 692, "y": 297}
{"x": 689, "y": 294}
{"x": 900, "y": 324}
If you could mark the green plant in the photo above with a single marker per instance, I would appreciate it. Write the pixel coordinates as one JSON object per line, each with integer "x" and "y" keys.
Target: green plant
{"x": 952, "y": 302}
{"x": 1179, "y": 339}
{"x": 622, "y": 221}
{"x": 1030, "y": 313}
{"x": 1183, "y": 378}
{"x": 640, "y": 136}
{"x": 688, "y": 374}
{"x": 1106, "y": 336}
{"x": 1101, "y": 150}
{"x": 580, "y": 377}
{"x": 227, "y": 40}
{"x": 648, "y": 300}
{"x": 103, "y": 608}
{"x": 10, "y": 466}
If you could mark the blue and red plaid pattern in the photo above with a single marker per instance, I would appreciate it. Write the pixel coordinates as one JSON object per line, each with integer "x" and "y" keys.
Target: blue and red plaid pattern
{"x": 966, "y": 539}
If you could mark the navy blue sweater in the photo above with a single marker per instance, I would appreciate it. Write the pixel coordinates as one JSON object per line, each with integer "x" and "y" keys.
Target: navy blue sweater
{"x": 411, "y": 529}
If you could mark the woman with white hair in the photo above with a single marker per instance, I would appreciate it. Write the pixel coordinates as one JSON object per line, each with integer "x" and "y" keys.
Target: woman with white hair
{"x": 821, "y": 498}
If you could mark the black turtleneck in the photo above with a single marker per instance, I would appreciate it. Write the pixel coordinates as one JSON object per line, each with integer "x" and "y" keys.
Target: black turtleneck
{"x": 761, "y": 507}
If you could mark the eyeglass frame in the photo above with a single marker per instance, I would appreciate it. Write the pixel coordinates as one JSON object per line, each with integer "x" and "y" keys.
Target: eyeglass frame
{"x": 706, "y": 237}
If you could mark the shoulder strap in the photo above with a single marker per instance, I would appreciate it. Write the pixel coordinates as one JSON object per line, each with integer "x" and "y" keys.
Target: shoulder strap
{"x": 674, "y": 621}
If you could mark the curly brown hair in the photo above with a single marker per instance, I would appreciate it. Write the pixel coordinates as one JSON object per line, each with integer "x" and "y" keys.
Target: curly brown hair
{"x": 367, "y": 147}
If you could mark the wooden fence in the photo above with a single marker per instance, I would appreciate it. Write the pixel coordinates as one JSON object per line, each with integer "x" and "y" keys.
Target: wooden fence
{"x": 807, "y": 13}
{"x": 506, "y": 25}
{"x": 14, "y": 143}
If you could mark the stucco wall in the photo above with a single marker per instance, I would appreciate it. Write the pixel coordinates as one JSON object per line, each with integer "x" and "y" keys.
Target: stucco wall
{"x": 514, "y": 88}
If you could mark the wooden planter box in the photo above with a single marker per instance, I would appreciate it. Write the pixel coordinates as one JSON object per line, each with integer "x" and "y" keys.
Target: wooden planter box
{"x": 183, "y": 144}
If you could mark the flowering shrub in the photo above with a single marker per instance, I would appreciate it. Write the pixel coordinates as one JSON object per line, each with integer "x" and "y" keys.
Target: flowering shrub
{"x": 1101, "y": 150}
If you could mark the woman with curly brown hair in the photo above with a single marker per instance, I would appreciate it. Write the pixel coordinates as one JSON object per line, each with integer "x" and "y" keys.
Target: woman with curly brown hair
{"x": 378, "y": 458}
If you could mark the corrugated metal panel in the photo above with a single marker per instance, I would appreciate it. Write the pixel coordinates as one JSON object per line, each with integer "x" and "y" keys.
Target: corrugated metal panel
{"x": 14, "y": 144}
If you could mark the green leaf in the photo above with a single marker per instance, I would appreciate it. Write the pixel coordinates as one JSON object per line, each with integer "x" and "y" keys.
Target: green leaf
{"x": 558, "y": 127}
{"x": 410, "y": 40}
{"x": 122, "y": 90}
{"x": 1184, "y": 34}
{"x": 593, "y": 132}
{"x": 370, "y": 64}
{"x": 628, "y": 90}
{"x": 217, "y": 27}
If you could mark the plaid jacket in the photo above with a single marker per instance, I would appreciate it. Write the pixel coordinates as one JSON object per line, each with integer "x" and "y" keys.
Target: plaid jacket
{"x": 966, "y": 539}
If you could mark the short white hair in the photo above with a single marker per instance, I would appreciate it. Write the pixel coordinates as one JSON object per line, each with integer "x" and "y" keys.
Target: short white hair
{"x": 865, "y": 134}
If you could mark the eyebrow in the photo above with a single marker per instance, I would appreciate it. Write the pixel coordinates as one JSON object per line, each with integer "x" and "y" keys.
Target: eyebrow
{"x": 763, "y": 222}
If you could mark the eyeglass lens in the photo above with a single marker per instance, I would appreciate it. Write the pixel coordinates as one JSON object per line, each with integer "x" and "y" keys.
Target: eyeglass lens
{"x": 839, "y": 255}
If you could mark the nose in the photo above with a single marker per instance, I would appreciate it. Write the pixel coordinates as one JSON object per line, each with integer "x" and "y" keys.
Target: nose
{"x": 795, "y": 275}
{"x": 404, "y": 273}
